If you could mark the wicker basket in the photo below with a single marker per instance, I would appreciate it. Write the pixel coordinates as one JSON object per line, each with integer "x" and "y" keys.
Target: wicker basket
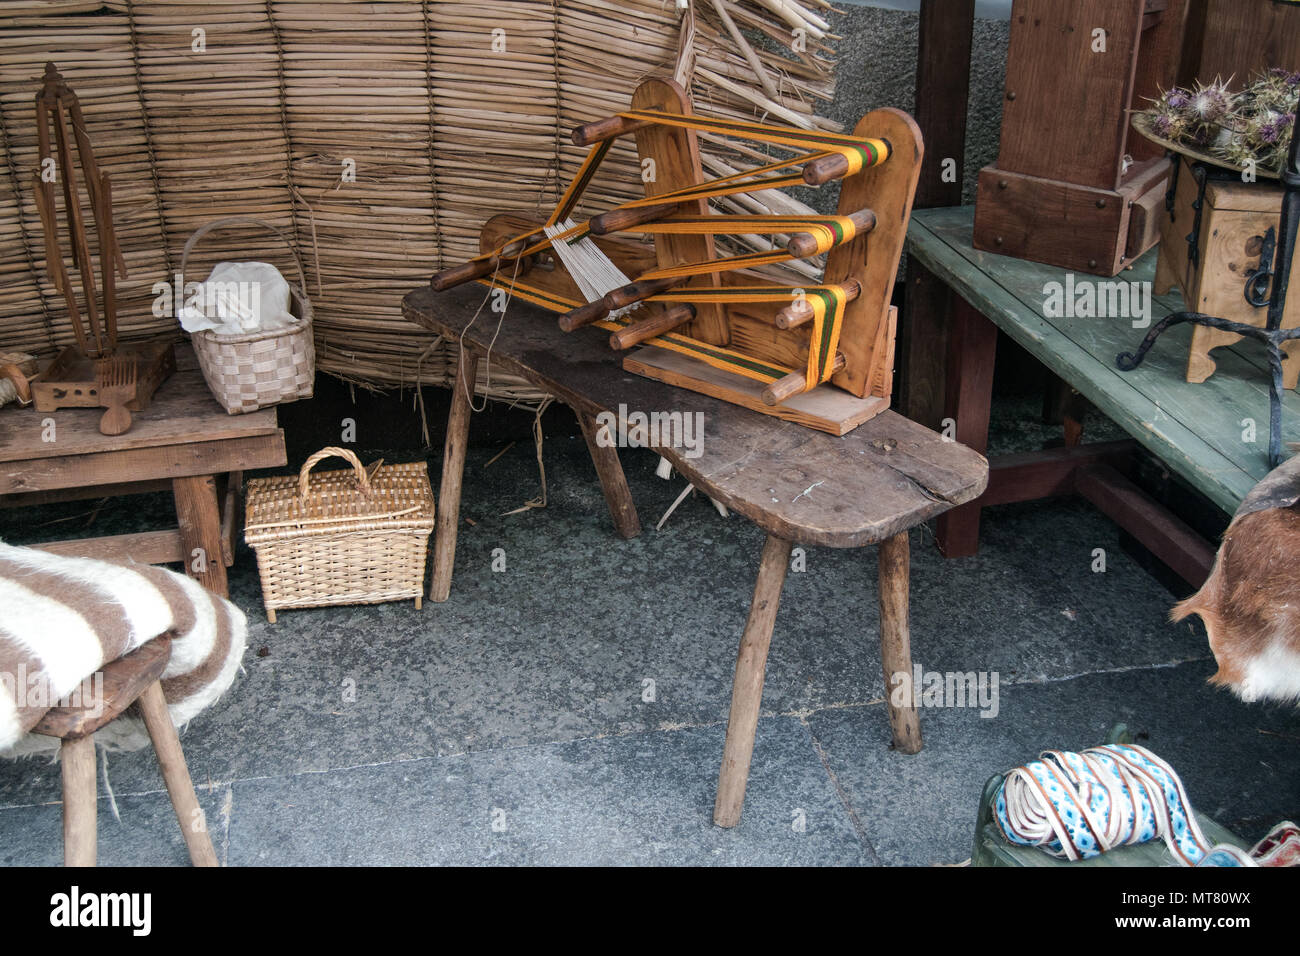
{"x": 251, "y": 371}
{"x": 340, "y": 537}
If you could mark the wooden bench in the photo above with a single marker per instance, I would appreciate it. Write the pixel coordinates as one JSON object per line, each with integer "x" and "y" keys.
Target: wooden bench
{"x": 183, "y": 442}
{"x": 958, "y": 298}
{"x": 800, "y": 486}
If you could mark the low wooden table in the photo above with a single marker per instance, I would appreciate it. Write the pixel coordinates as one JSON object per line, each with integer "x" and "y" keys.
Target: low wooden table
{"x": 183, "y": 441}
{"x": 959, "y": 297}
{"x": 800, "y": 486}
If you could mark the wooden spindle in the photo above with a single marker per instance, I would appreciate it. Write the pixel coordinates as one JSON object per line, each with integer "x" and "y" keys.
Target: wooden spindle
{"x": 794, "y": 383}
{"x": 619, "y": 219}
{"x": 801, "y": 312}
{"x": 585, "y": 315}
{"x": 640, "y": 289}
{"x": 665, "y": 321}
{"x": 591, "y": 133}
{"x": 803, "y": 244}
{"x": 474, "y": 269}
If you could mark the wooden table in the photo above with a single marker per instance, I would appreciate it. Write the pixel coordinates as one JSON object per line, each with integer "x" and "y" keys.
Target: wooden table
{"x": 800, "y": 486}
{"x": 183, "y": 441}
{"x": 961, "y": 296}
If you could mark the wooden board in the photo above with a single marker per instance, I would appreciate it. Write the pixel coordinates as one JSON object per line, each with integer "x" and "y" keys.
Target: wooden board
{"x": 182, "y": 411}
{"x": 1235, "y": 38}
{"x": 1050, "y": 128}
{"x": 1196, "y": 430}
{"x": 867, "y": 339}
{"x": 676, "y": 156}
{"x": 826, "y": 408}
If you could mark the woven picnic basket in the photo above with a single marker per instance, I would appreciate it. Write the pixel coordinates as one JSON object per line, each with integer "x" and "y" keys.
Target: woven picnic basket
{"x": 256, "y": 369}
{"x": 354, "y": 536}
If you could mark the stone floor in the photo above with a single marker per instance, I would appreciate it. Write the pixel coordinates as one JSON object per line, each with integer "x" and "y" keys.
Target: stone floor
{"x": 570, "y": 709}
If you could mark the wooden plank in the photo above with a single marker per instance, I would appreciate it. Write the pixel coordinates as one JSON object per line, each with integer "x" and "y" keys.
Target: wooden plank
{"x": 942, "y": 94}
{"x": 1186, "y": 553}
{"x": 199, "y": 515}
{"x": 887, "y": 188}
{"x": 923, "y": 345}
{"x": 31, "y": 498}
{"x": 183, "y": 409}
{"x": 1048, "y": 130}
{"x": 826, "y": 408}
{"x": 166, "y": 461}
{"x": 972, "y": 348}
{"x": 1223, "y": 40}
{"x": 797, "y": 483}
{"x": 1195, "y": 430}
{"x": 1032, "y": 475}
{"x": 676, "y": 157}
{"x": 147, "y": 547}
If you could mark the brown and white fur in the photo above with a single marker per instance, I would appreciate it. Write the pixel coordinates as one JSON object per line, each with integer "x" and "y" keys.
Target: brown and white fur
{"x": 1251, "y": 604}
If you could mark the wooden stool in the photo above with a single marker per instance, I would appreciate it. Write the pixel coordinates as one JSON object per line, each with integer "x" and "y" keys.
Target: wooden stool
{"x": 130, "y": 679}
{"x": 801, "y": 486}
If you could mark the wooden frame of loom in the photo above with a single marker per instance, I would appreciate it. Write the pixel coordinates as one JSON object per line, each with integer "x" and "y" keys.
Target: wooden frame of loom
{"x": 859, "y": 378}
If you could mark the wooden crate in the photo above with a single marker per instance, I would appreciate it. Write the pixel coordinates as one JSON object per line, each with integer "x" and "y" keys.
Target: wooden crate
{"x": 1073, "y": 186}
{"x": 1234, "y": 219}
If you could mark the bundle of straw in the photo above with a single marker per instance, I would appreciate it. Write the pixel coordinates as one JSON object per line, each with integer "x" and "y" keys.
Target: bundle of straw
{"x": 380, "y": 135}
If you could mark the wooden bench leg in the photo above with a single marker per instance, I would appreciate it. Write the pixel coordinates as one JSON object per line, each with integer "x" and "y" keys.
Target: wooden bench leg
{"x": 171, "y": 759}
{"x": 612, "y": 480}
{"x": 972, "y": 347}
{"x": 747, "y": 689}
{"x": 447, "y": 520}
{"x": 199, "y": 517}
{"x": 80, "y": 834}
{"x": 896, "y": 639}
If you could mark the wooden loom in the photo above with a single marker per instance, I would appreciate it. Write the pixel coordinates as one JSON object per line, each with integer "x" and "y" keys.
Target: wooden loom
{"x": 821, "y": 355}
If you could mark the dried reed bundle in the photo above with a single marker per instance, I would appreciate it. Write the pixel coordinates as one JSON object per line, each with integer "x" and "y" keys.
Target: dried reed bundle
{"x": 379, "y": 134}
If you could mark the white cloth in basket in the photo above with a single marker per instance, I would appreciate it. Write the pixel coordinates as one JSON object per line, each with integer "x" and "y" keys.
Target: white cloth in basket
{"x": 237, "y": 298}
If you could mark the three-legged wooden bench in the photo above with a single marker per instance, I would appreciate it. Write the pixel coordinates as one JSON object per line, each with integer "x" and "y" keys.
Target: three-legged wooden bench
{"x": 800, "y": 486}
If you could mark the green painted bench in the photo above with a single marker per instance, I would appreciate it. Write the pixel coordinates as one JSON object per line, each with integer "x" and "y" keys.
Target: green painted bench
{"x": 958, "y": 297}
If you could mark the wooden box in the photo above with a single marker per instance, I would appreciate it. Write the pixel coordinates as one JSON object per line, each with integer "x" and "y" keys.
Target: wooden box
{"x": 1073, "y": 186}
{"x": 1235, "y": 217}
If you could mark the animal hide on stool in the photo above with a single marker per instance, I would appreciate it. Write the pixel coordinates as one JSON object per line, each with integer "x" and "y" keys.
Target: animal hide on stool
{"x": 62, "y": 619}
{"x": 1251, "y": 601}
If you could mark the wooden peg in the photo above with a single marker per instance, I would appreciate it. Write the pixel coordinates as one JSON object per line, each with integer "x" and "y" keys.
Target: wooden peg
{"x": 474, "y": 269}
{"x": 794, "y": 383}
{"x": 800, "y": 312}
{"x": 619, "y": 219}
{"x": 665, "y": 321}
{"x": 803, "y": 244}
{"x": 591, "y": 133}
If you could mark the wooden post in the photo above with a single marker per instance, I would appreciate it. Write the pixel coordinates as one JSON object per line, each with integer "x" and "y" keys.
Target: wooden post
{"x": 77, "y": 763}
{"x": 612, "y": 480}
{"x": 972, "y": 347}
{"x": 942, "y": 92}
{"x": 896, "y": 638}
{"x": 453, "y": 471}
{"x": 171, "y": 760}
{"x": 199, "y": 517}
{"x": 747, "y": 689}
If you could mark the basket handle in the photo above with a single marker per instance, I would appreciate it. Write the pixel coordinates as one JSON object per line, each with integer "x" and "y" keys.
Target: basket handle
{"x": 363, "y": 480}
{"x": 229, "y": 221}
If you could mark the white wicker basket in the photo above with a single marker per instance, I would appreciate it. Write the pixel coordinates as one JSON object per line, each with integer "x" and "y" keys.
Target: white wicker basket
{"x": 256, "y": 369}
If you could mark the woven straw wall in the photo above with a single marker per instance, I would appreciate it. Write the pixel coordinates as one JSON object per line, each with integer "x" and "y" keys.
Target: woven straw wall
{"x": 264, "y": 107}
